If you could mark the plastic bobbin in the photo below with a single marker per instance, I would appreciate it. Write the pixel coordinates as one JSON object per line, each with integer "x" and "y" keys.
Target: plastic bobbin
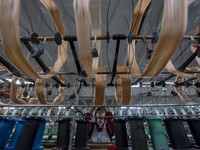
{"x": 58, "y": 38}
{"x": 172, "y": 110}
{"x": 41, "y": 111}
{"x": 34, "y": 39}
{"x": 33, "y": 110}
{"x": 94, "y": 51}
{"x": 145, "y": 111}
{"x": 130, "y": 37}
{"x": 38, "y": 51}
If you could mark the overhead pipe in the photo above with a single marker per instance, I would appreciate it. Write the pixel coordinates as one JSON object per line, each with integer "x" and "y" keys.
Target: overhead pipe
{"x": 103, "y": 37}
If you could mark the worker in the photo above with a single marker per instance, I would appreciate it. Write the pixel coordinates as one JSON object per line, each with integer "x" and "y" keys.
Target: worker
{"x": 102, "y": 129}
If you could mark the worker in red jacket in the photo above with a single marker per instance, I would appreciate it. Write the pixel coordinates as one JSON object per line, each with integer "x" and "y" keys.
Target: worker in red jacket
{"x": 102, "y": 129}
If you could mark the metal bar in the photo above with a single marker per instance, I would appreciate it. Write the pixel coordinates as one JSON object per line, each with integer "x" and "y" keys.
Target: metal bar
{"x": 140, "y": 105}
{"x": 78, "y": 66}
{"x": 13, "y": 70}
{"x": 71, "y": 106}
{"x": 10, "y": 67}
{"x": 105, "y": 37}
{"x": 136, "y": 81}
{"x": 118, "y": 38}
{"x": 74, "y": 116}
{"x": 4, "y": 80}
{"x": 31, "y": 105}
{"x": 74, "y": 73}
{"x": 186, "y": 83}
{"x": 40, "y": 62}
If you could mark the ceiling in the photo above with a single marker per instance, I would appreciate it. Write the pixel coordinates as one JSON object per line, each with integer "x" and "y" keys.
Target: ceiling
{"x": 35, "y": 18}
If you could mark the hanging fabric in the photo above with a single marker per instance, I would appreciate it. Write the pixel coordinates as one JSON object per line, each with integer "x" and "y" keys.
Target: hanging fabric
{"x": 9, "y": 20}
{"x": 100, "y": 86}
{"x": 123, "y": 86}
{"x": 172, "y": 31}
{"x": 170, "y": 67}
{"x": 15, "y": 93}
{"x": 40, "y": 90}
{"x": 95, "y": 24}
{"x": 181, "y": 93}
{"x": 138, "y": 14}
{"x": 82, "y": 16}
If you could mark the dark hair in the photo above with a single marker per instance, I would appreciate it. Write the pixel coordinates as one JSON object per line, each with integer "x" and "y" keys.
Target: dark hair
{"x": 95, "y": 114}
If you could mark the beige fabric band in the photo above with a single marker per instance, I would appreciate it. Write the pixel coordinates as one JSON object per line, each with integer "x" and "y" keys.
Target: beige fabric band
{"x": 123, "y": 86}
{"x": 9, "y": 23}
{"x": 100, "y": 85}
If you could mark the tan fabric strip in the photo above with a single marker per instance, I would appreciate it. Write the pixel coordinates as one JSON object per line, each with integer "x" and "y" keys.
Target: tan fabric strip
{"x": 62, "y": 49}
{"x": 9, "y": 26}
{"x": 170, "y": 67}
{"x": 40, "y": 89}
{"x": 3, "y": 68}
{"x": 181, "y": 93}
{"x": 33, "y": 101}
{"x": 138, "y": 13}
{"x": 123, "y": 86}
{"x": 100, "y": 85}
{"x": 15, "y": 94}
{"x": 193, "y": 47}
{"x": 9, "y": 23}
{"x": 95, "y": 23}
{"x": 81, "y": 13}
{"x": 173, "y": 29}
{"x": 60, "y": 96}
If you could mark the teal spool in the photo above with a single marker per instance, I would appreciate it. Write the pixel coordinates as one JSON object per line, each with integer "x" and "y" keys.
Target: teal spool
{"x": 158, "y": 133}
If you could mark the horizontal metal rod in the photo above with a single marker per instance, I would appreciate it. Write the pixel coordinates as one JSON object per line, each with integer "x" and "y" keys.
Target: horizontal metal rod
{"x": 139, "y": 105}
{"x": 71, "y": 106}
{"x": 142, "y": 105}
{"x": 74, "y": 73}
{"x": 28, "y": 105}
{"x": 105, "y": 37}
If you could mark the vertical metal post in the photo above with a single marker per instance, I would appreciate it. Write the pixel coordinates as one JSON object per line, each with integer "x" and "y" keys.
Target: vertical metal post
{"x": 74, "y": 116}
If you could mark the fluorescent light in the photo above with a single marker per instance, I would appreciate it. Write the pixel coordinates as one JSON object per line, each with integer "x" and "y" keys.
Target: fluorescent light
{"x": 135, "y": 85}
{"x": 10, "y": 80}
{"x": 8, "y": 108}
{"x": 123, "y": 107}
{"x": 61, "y": 107}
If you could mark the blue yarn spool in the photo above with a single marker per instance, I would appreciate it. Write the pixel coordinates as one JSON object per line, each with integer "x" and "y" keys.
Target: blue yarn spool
{"x": 6, "y": 128}
{"x": 16, "y": 134}
{"x": 38, "y": 138}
